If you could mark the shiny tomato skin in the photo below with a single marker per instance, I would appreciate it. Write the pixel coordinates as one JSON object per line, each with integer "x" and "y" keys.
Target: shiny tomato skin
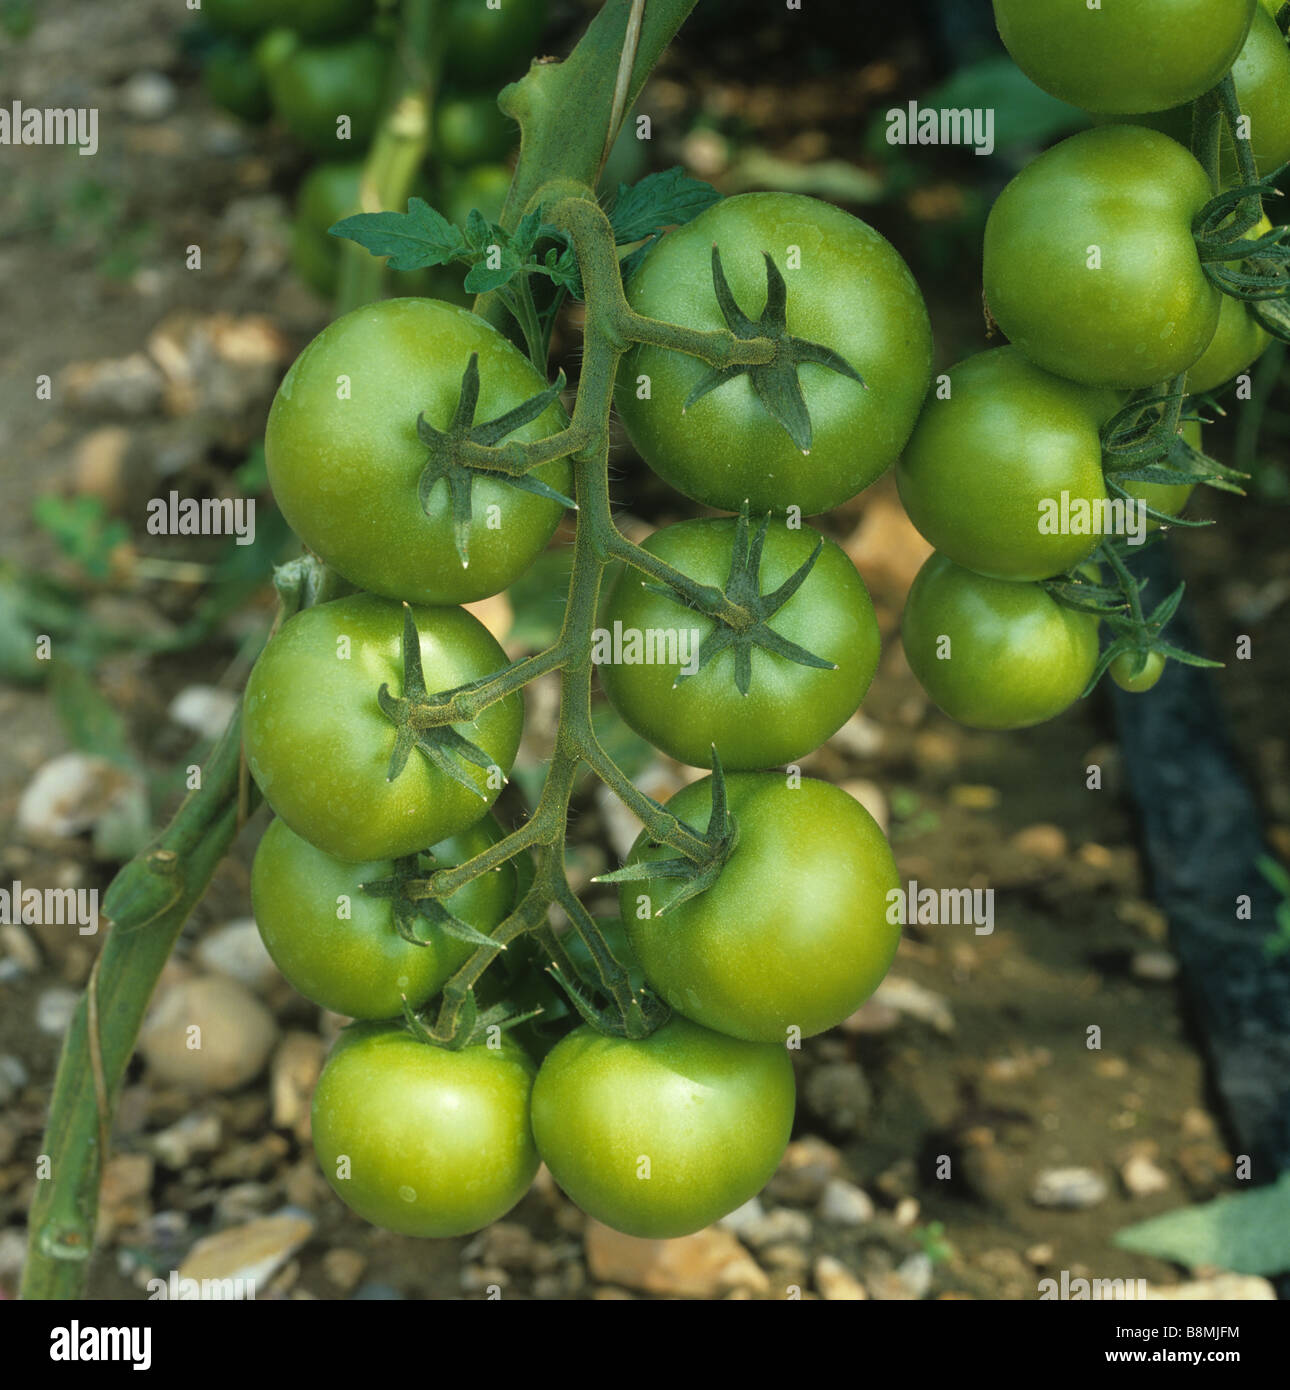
{"x": 1091, "y": 268}
{"x": 790, "y": 709}
{"x": 794, "y": 935}
{"x": 1124, "y": 55}
{"x": 338, "y": 946}
{"x": 319, "y": 746}
{"x": 420, "y": 1140}
{"x": 851, "y": 292}
{"x": 1125, "y": 673}
{"x": 985, "y": 460}
{"x": 345, "y": 471}
{"x": 662, "y": 1136}
{"x": 995, "y": 654}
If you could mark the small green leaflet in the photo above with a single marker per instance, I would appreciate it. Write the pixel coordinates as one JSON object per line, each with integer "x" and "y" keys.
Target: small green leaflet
{"x": 643, "y": 211}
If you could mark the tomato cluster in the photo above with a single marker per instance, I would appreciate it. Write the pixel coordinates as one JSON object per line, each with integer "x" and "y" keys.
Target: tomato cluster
{"x": 321, "y": 70}
{"x": 1093, "y": 271}
{"x": 656, "y": 1134}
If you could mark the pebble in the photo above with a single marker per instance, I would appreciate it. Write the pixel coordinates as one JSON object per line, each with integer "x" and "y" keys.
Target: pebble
{"x": 9, "y": 1137}
{"x": 296, "y": 1066}
{"x": 703, "y": 1265}
{"x": 203, "y": 709}
{"x": 208, "y": 1034}
{"x": 784, "y": 1225}
{"x": 804, "y": 1171}
{"x": 1069, "y": 1189}
{"x": 915, "y": 1001}
{"x": 915, "y": 1272}
{"x": 13, "y": 1077}
{"x": 344, "y": 1267}
{"x": 505, "y": 1244}
{"x": 13, "y": 1253}
{"x": 1157, "y": 967}
{"x": 148, "y": 96}
{"x": 54, "y": 1009}
{"x": 251, "y": 1252}
{"x": 482, "y": 1278}
{"x": 906, "y": 1213}
{"x": 1041, "y": 841}
{"x": 1218, "y": 1287}
{"x": 69, "y": 794}
{"x": 844, "y": 1204}
{"x": 1142, "y": 1177}
{"x": 197, "y": 1133}
{"x": 243, "y": 1202}
{"x": 20, "y": 948}
{"x": 118, "y": 388}
{"x": 839, "y": 1093}
{"x": 237, "y": 951}
{"x": 378, "y": 1293}
{"x": 835, "y": 1282}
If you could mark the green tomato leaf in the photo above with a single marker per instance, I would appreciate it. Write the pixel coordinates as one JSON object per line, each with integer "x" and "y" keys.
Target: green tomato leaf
{"x": 1244, "y": 1232}
{"x": 667, "y": 199}
{"x": 412, "y": 240}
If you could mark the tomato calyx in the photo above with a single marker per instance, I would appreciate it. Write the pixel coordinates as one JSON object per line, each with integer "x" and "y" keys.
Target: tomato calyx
{"x": 775, "y": 382}
{"x": 743, "y": 589}
{"x": 470, "y": 1024}
{"x": 1255, "y": 270}
{"x": 1142, "y": 444}
{"x": 446, "y": 749}
{"x": 695, "y": 876}
{"x": 446, "y": 462}
{"x": 409, "y": 892}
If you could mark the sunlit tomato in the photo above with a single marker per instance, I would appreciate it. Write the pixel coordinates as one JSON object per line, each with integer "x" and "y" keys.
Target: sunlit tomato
{"x": 662, "y": 1136}
{"x": 421, "y": 1140}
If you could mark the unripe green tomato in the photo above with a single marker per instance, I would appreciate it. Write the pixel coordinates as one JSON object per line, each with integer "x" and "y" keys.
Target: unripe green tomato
{"x": 317, "y": 84}
{"x": 338, "y": 945}
{"x": 1091, "y": 266}
{"x": 422, "y": 1140}
{"x": 994, "y": 654}
{"x": 790, "y": 709}
{"x": 489, "y": 44}
{"x": 273, "y": 49}
{"x": 345, "y": 469}
{"x": 796, "y": 933}
{"x": 233, "y": 81}
{"x": 661, "y": 1136}
{"x": 987, "y": 464}
{"x": 1262, "y": 76}
{"x": 319, "y": 745}
{"x": 1125, "y": 672}
{"x": 471, "y": 129}
{"x": 1124, "y": 55}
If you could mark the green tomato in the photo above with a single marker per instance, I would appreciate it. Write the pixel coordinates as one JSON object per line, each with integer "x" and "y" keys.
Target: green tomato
{"x": 234, "y": 82}
{"x": 1124, "y": 55}
{"x": 848, "y": 289}
{"x": 316, "y": 85}
{"x": 1240, "y": 339}
{"x": 338, "y": 945}
{"x": 989, "y": 461}
{"x": 319, "y": 746}
{"x": 994, "y": 654}
{"x": 421, "y": 1140}
{"x": 1133, "y": 673}
{"x": 471, "y": 129}
{"x": 660, "y": 1136}
{"x": 1262, "y": 76}
{"x": 491, "y": 42}
{"x": 483, "y": 189}
{"x": 790, "y": 709}
{"x": 1091, "y": 268}
{"x": 344, "y": 470}
{"x": 794, "y": 935}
